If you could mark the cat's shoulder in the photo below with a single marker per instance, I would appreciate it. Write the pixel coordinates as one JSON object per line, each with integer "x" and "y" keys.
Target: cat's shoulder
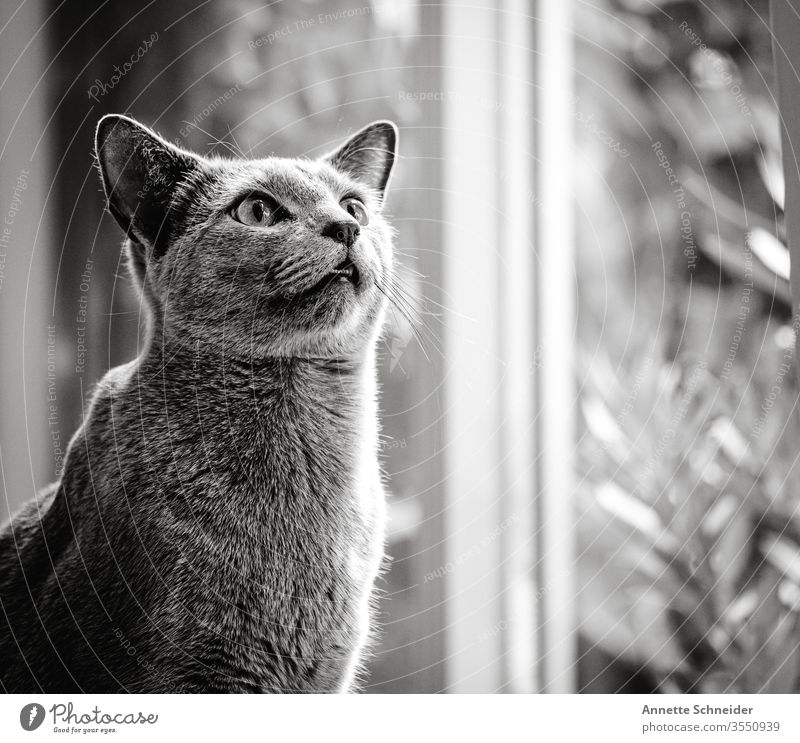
{"x": 110, "y": 390}
{"x": 116, "y": 380}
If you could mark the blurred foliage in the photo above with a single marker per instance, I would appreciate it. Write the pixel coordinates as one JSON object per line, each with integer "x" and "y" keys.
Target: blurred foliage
{"x": 689, "y": 536}
{"x": 689, "y": 533}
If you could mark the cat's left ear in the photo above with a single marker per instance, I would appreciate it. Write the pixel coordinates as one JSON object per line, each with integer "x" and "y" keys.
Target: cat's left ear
{"x": 368, "y": 156}
{"x": 140, "y": 173}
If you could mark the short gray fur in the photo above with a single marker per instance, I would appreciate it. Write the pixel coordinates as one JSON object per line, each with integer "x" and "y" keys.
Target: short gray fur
{"x": 220, "y": 519}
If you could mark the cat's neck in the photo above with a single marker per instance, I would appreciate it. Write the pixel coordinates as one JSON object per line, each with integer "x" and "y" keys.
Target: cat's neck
{"x": 172, "y": 367}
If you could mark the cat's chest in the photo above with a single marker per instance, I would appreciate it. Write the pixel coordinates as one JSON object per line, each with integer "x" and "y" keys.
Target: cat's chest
{"x": 273, "y": 455}
{"x": 275, "y": 502}
{"x": 289, "y": 475}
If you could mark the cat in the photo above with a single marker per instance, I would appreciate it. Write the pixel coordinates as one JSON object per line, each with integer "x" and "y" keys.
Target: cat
{"x": 219, "y": 523}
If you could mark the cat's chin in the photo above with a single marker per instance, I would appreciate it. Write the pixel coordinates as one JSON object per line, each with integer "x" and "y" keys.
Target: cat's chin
{"x": 336, "y": 299}
{"x": 338, "y": 318}
{"x": 332, "y": 283}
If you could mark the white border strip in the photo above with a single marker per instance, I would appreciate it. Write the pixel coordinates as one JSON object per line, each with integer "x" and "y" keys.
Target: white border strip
{"x": 556, "y": 321}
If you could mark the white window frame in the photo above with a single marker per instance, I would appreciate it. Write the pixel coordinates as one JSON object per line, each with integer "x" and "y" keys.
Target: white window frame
{"x": 509, "y": 389}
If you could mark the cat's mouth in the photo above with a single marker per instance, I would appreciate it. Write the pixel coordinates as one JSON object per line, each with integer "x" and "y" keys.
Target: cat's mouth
{"x": 344, "y": 276}
{"x": 347, "y": 271}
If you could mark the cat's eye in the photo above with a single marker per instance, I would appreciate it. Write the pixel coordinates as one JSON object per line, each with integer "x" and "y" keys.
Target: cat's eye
{"x": 356, "y": 209}
{"x": 258, "y": 210}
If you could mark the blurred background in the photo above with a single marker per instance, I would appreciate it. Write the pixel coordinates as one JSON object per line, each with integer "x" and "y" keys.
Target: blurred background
{"x": 589, "y": 433}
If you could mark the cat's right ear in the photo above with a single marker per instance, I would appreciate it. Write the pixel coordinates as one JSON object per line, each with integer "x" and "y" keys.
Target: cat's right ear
{"x": 369, "y": 155}
{"x": 140, "y": 171}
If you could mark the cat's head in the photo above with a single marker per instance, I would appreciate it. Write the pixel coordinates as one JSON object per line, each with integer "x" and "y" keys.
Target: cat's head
{"x": 269, "y": 257}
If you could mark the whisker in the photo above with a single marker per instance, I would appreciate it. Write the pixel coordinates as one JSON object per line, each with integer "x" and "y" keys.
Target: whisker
{"x": 216, "y": 141}
{"x": 233, "y": 139}
{"x": 406, "y": 291}
{"x": 405, "y": 307}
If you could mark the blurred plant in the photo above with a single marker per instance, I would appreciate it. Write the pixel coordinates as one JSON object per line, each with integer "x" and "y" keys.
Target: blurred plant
{"x": 689, "y": 530}
{"x": 693, "y": 79}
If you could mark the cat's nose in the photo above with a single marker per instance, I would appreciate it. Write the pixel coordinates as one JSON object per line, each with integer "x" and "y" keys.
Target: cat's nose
{"x": 344, "y": 231}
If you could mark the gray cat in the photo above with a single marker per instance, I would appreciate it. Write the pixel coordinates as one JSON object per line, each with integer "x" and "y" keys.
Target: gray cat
{"x": 219, "y": 523}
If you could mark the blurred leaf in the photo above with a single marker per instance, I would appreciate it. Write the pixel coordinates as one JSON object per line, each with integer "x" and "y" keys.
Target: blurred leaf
{"x": 772, "y": 253}
{"x": 729, "y": 521}
{"x": 721, "y": 213}
{"x": 782, "y": 669}
{"x": 738, "y": 264}
{"x": 770, "y": 168}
